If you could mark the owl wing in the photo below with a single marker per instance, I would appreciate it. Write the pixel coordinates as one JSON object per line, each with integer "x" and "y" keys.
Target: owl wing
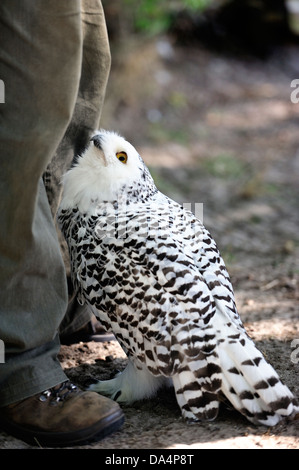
{"x": 170, "y": 304}
{"x": 211, "y": 266}
{"x": 146, "y": 287}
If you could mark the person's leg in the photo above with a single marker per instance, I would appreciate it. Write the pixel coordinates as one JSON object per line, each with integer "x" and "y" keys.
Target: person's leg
{"x": 86, "y": 116}
{"x": 85, "y": 120}
{"x": 40, "y": 64}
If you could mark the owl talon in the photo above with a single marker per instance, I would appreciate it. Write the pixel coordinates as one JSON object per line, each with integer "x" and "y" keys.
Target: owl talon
{"x": 130, "y": 385}
{"x": 108, "y": 388}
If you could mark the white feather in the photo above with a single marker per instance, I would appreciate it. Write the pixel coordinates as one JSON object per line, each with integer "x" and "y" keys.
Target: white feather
{"x": 98, "y": 175}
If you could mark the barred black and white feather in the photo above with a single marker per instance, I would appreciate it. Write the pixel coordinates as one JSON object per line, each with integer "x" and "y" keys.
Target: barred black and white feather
{"x": 152, "y": 273}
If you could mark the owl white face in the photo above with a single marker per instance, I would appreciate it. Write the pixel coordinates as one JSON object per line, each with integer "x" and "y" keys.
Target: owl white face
{"x": 111, "y": 150}
{"x": 107, "y": 165}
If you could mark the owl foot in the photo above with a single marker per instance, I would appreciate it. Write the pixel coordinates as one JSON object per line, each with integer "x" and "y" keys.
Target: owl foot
{"x": 112, "y": 389}
{"x": 130, "y": 385}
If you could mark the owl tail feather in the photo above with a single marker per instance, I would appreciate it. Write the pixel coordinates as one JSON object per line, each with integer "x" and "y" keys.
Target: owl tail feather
{"x": 251, "y": 384}
{"x": 229, "y": 364}
{"x": 196, "y": 403}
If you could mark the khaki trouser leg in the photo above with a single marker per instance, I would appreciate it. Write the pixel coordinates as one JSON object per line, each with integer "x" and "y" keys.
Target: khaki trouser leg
{"x": 41, "y": 51}
{"x": 85, "y": 120}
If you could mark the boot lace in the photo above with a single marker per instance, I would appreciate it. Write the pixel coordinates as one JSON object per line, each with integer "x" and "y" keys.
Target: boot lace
{"x": 58, "y": 393}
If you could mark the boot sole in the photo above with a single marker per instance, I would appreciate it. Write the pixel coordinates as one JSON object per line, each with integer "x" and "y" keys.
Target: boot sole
{"x": 94, "y": 433}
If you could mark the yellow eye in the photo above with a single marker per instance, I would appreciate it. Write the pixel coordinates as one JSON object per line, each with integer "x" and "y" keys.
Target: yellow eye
{"x": 122, "y": 156}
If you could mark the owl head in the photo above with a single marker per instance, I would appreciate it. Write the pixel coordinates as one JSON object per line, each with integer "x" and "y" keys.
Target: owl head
{"x": 108, "y": 166}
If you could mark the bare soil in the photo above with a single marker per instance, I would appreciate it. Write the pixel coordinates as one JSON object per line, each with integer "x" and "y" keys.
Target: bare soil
{"x": 221, "y": 131}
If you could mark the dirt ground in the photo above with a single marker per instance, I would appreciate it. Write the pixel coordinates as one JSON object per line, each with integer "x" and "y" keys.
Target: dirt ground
{"x": 221, "y": 131}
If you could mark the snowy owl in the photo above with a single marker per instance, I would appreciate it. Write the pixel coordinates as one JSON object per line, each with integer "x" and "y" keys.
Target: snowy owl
{"x": 152, "y": 274}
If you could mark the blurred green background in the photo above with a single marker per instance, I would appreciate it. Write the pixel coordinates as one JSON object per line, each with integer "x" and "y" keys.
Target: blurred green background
{"x": 202, "y": 89}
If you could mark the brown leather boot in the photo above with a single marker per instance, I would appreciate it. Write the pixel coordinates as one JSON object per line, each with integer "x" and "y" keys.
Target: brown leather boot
{"x": 62, "y": 416}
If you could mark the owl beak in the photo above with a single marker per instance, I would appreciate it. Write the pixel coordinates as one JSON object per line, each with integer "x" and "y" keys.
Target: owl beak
{"x": 96, "y": 139}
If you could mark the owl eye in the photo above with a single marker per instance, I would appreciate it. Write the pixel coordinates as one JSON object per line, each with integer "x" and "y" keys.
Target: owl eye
{"x": 122, "y": 156}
